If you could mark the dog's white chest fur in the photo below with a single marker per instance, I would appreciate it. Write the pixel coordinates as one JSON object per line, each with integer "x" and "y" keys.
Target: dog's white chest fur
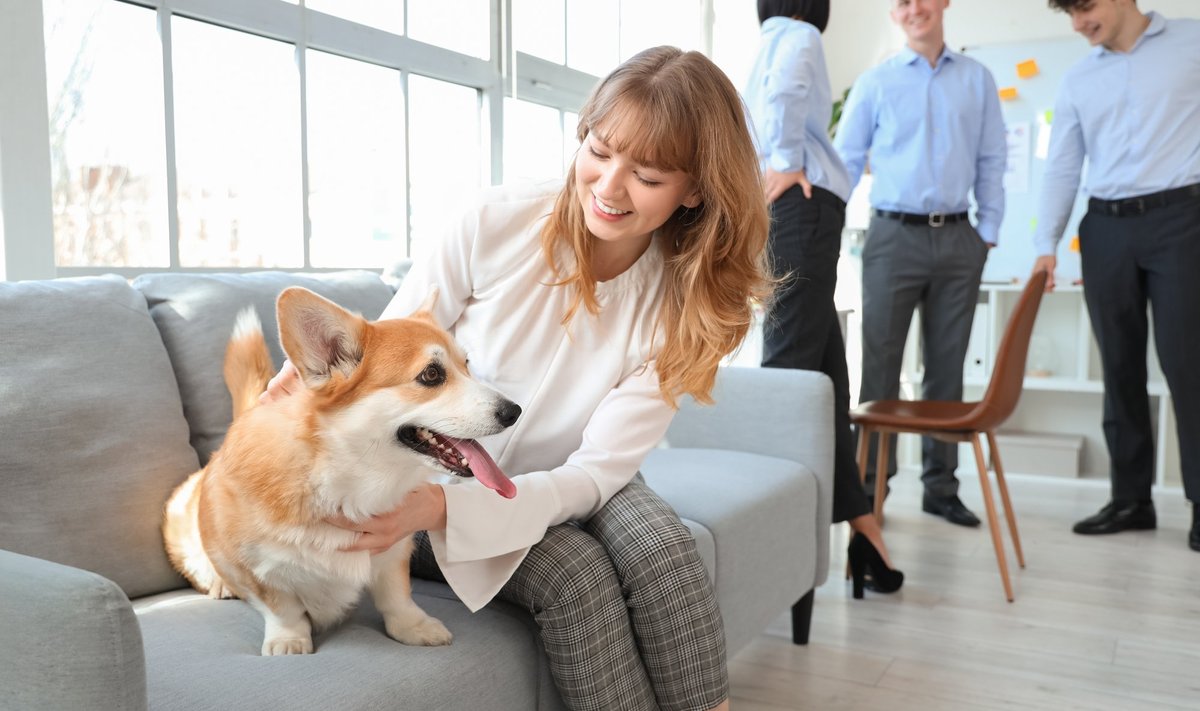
{"x": 327, "y": 581}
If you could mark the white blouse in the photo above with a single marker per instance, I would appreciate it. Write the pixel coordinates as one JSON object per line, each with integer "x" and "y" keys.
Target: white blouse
{"x": 588, "y": 391}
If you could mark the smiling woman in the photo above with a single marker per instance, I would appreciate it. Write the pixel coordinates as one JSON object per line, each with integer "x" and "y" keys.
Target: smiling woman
{"x": 638, "y": 270}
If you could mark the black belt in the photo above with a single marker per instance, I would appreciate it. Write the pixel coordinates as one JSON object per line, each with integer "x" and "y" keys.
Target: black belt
{"x": 934, "y": 219}
{"x": 1142, "y": 204}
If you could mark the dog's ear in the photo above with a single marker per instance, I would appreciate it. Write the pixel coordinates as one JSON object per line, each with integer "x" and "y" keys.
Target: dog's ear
{"x": 425, "y": 310}
{"x": 319, "y": 337}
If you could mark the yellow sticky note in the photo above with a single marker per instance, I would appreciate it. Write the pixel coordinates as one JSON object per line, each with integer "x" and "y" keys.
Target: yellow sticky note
{"x": 1008, "y": 93}
{"x": 1074, "y": 246}
{"x": 1027, "y": 69}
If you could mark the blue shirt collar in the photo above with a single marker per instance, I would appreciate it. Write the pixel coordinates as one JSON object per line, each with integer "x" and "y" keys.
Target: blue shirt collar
{"x": 908, "y": 55}
{"x": 1158, "y": 23}
{"x": 774, "y": 23}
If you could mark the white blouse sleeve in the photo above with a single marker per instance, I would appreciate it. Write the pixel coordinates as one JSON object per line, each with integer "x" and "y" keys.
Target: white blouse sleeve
{"x": 486, "y": 536}
{"x": 627, "y": 424}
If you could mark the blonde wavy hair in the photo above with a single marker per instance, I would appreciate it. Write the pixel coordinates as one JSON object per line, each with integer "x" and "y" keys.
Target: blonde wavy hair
{"x": 684, "y": 114}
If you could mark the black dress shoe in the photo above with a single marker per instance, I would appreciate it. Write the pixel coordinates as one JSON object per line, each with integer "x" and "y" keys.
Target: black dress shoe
{"x": 1116, "y": 517}
{"x": 949, "y": 508}
{"x": 1194, "y": 534}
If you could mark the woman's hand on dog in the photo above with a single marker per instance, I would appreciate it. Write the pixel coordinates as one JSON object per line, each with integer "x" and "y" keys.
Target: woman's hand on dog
{"x": 422, "y": 509}
{"x": 285, "y": 382}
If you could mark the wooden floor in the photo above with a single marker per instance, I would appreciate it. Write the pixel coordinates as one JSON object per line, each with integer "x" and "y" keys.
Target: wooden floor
{"x": 1107, "y": 622}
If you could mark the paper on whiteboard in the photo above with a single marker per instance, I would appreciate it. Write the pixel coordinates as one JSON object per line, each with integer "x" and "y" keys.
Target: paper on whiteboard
{"x": 1016, "y": 174}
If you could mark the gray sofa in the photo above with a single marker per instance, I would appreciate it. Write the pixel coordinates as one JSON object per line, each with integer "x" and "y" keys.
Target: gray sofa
{"x": 111, "y": 394}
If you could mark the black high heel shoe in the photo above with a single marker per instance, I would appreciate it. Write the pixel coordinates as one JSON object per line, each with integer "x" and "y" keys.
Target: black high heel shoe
{"x": 864, "y": 560}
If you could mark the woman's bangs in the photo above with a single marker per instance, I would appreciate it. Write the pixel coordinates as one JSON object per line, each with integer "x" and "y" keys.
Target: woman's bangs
{"x": 655, "y": 143}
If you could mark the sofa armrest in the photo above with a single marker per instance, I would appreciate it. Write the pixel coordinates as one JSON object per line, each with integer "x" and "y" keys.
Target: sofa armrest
{"x": 70, "y": 640}
{"x": 778, "y": 412}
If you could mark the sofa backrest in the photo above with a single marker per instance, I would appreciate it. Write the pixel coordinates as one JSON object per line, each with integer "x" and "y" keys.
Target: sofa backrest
{"x": 195, "y": 314}
{"x": 92, "y": 434}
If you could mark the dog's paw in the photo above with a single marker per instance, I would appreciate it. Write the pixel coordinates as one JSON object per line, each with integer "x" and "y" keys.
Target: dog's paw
{"x": 287, "y": 645}
{"x": 221, "y": 591}
{"x": 425, "y": 631}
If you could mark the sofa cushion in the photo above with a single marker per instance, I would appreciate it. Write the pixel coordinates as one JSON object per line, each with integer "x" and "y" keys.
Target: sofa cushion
{"x": 92, "y": 435}
{"x": 204, "y": 654}
{"x": 195, "y": 314}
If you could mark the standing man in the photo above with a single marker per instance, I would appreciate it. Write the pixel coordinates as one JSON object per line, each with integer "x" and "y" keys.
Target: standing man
{"x": 930, "y": 120}
{"x": 1132, "y": 108}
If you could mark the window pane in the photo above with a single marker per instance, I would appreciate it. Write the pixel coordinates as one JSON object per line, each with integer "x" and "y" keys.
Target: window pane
{"x": 462, "y": 26}
{"x": 537, "y": 28}
{"x": 593, "y": 36}
{"x": 735, "y": 39}
{"x": 532, "y": 141}
{"x": 445, "y": 158}
{"x": 237, "y": 148}
{"x": 355, "y": 163}
{"x": 386, "y": 15}
{"x": 649, "y": 24}
{"x": 570, "y": 142}
{"x": 107, "y": 144}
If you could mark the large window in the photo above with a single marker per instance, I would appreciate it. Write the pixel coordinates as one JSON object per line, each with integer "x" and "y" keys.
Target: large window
{"x": 446, "y": 152}
{"x": 237, "y": 148}
{"x": 357, "y": 200}
{"x": 104, "y": 89}
{"x": 304, "y": 134}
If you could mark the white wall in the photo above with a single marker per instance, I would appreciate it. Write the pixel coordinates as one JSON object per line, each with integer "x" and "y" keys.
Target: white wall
{"x": 861, "y": 33}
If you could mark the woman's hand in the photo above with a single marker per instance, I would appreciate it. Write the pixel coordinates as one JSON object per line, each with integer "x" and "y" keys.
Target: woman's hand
{"x": 422, "y": 509}
{"x": 776, "y": 184}
{"x": 286, "y": 382}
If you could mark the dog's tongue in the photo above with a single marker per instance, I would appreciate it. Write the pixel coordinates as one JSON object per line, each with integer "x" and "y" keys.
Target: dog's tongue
{"x": 485, "y": 468}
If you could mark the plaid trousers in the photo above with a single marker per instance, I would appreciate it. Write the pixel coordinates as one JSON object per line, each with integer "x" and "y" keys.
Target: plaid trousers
{"x": 625, "y": 608}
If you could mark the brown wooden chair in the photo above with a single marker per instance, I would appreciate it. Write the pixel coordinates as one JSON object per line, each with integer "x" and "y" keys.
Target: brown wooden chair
{"x": 963, "y": 421}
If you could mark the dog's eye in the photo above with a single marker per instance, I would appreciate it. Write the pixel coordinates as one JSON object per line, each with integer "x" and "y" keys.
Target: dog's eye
{"x": 432, "y": 375}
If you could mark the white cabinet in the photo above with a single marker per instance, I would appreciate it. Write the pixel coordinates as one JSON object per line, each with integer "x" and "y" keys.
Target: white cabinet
{"x": 1064, "y": 392}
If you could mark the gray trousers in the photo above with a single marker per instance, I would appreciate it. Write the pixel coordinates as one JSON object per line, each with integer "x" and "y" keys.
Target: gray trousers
{"x": 625, "y": 608}
{"x": 936, "y": 270}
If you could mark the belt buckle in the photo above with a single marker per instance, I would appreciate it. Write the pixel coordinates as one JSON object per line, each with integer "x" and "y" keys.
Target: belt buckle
{"x": 937, "y": 219}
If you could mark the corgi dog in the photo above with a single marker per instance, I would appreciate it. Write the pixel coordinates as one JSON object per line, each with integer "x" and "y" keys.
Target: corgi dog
{"x": 387, "y": 407}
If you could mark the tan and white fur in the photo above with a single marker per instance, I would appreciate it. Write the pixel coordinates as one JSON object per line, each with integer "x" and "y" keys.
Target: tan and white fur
{"x": 358, "y": 438}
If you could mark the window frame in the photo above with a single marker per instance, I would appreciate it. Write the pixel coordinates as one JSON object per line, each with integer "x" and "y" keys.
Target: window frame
{"x": 25, "y": 192}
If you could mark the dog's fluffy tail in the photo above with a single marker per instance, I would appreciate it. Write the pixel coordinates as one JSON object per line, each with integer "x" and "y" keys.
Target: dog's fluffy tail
{"x": 247, "y": 362}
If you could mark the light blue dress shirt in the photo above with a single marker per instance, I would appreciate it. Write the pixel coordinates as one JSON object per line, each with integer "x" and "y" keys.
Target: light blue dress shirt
{"x": 1134, "y": 115}
{"x": 790, "y": 105}
{"x": 934, "y": 134}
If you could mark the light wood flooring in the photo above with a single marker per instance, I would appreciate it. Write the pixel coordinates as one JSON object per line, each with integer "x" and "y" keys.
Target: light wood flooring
{"x": 1105, "y": 622}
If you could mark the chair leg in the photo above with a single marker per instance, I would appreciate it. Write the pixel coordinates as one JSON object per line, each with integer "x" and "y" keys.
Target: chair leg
{"x": 881, "y": 469}
{"x": 986, "y": 487}
{"x": 1008, "y": 507}
{"x": 864, "y": 448}
{"x": 802, "y": 618}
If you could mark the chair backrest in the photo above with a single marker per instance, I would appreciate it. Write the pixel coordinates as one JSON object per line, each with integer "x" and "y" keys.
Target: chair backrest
{"x": 1008, "y": 374}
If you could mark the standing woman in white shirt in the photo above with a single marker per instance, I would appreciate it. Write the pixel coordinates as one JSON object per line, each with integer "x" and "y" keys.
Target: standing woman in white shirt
{"x": 595, "y": 304}
{"x": 807, "y": 187}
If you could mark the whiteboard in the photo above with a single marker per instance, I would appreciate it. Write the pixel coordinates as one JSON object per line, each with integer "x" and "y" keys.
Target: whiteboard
{"x": 1014, "y": 254}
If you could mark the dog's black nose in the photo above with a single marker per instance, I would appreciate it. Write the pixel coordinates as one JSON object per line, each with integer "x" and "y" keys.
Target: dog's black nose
{"x": 508, "y": 412}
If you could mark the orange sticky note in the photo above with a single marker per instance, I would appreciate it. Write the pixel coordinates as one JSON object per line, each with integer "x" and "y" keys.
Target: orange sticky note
{"x": 1075, "y": 243}
{"x": 1028, "y": 68}
{"x": 1008, "y": 93}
